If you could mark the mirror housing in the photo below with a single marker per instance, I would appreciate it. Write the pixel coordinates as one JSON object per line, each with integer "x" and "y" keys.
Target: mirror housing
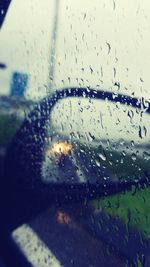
{"x": 24, "y": 193}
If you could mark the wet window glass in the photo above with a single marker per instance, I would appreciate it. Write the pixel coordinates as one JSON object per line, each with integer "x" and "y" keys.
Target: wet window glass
{"x": 75, "y": 132}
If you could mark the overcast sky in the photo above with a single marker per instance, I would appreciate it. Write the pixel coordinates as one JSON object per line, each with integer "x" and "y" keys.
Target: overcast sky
{"x": 99, "y": 43}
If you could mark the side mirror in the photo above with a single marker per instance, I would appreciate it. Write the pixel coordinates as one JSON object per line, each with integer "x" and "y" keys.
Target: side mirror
{"x": 76, "y": 144}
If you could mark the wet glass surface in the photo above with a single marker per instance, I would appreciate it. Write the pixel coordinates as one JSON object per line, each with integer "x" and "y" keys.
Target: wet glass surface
{"x": 101, "y": 45}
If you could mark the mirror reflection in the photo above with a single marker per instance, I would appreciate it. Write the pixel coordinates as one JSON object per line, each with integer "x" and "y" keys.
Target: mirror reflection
{"x": 96, "y": 141}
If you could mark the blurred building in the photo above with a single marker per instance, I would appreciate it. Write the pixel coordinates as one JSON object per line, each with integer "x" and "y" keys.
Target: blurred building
{"x": 18, "y": 84}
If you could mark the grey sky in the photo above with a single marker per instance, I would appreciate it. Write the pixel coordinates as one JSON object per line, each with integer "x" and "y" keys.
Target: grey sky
{"x": 102, "y": 119}
{"x": 99, "y": 43}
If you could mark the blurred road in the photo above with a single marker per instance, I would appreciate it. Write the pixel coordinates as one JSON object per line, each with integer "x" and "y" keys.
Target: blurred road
{"x": 67, "y": 240}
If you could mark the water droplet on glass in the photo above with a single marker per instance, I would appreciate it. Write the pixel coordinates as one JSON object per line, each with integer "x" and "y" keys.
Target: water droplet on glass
{"x": 102, "y": 156}
{"x": 123, "y": 153}
{"x": 133, "y": 157}
{"x": 142, "y": 131}
{"x": 97, "y": 163}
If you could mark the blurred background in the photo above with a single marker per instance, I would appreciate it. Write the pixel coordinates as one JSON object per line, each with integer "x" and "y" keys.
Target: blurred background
{"x": 57, "y": 43}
